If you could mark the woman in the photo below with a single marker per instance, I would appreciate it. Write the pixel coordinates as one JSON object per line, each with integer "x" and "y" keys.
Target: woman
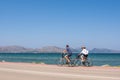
{"x": 83, "y": 54}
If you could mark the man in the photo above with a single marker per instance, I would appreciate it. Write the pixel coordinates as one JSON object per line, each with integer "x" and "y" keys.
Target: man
{"x": 68, "y": 55}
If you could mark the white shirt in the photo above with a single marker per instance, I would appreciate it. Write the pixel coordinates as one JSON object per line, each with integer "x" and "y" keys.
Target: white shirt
{"x": 84, "y": 51}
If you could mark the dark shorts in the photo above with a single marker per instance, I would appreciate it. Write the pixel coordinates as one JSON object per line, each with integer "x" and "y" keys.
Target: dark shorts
{"x": 69, "y": 55}
{"x": 83, "y": 55}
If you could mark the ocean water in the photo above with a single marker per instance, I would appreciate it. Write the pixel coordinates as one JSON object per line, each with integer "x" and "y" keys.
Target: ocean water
{"x": 98, "y": 59}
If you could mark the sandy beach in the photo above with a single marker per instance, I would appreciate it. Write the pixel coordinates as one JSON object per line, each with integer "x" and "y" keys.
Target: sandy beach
{"x": 30, "y": 71}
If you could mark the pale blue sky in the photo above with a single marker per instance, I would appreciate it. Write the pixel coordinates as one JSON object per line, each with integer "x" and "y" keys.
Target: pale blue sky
{"x": 38, "y": 23}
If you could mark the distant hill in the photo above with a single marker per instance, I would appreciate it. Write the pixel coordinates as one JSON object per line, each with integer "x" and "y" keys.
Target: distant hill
{"x": 49, "y": 49}
{"x": 19, "y": 49}
{"x": 15, "y": 49}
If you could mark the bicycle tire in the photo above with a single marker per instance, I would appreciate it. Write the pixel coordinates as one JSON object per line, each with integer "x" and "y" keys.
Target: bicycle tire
{"x": 77, "y": 62}
{"x": 88, "y": 62}
{"x": 61, "y": 62}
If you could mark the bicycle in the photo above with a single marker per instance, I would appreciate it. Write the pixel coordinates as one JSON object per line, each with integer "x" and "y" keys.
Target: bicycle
{"x": 62, "y": 61}
{"x": 86, "y": 62}
{"x": 74, "y": 62}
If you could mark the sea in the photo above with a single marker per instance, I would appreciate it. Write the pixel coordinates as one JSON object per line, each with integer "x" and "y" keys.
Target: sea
{"x": 98, "y": 59}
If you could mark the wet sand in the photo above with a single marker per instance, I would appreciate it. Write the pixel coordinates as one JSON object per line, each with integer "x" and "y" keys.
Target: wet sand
{"x": 30, "y": 71}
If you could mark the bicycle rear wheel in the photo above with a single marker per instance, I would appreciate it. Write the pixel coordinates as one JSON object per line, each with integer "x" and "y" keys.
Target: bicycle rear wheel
{"x": 77, "y": 62}
{"x": 61, "y": 62}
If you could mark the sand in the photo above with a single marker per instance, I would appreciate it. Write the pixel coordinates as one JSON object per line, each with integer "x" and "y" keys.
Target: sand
{"x": 31, "y": 71}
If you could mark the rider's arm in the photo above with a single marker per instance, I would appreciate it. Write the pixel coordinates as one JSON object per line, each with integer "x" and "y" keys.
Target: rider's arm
{"x": 64, "y": 51}
{"x": 84, "y": 51}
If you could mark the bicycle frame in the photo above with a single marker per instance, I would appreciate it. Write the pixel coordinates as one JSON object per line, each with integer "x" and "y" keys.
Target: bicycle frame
{"x": 74, "y": 62}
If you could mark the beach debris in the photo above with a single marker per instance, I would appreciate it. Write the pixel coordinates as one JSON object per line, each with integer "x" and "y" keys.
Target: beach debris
{"x": 38, "y": 62}
{"x": 42, "y": 63}
{"x": 3, "y": 60}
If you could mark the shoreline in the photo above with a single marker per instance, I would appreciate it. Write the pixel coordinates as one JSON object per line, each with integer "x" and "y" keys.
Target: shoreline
{"x": 55, "y": 65}
{"x": 42, "y": 63}
{"x": 31, "y": 71}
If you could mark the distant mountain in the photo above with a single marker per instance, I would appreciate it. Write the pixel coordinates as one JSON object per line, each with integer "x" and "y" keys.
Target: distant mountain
{"x": 103, "y": 50}
{"x": 49, "y": 49}
{"x": 19, "y": 49}
{"x": 14, "y": 49}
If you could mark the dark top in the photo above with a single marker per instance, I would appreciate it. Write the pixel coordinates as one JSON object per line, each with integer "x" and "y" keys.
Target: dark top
{"x": 69, "y": 52}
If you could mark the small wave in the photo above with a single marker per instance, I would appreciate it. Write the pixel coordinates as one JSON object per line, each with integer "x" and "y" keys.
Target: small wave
{"x": 106, "y": 65}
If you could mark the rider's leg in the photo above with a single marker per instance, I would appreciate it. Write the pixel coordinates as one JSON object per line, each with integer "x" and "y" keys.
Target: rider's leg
{"x": 82, "y": 58}
{"x": 85, "y": 57}
{"x": 67, "y": 58}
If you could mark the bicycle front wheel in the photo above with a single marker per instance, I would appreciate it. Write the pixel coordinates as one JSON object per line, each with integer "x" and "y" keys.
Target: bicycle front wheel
{"x": 88, "y": 62}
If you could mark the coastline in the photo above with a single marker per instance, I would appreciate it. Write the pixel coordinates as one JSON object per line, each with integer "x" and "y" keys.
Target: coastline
{"x": 55, "y": 65}
{"x": 32, "y": 71}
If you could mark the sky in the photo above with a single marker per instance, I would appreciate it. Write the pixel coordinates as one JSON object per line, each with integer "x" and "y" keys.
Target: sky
{"x": 39, "y": 23}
